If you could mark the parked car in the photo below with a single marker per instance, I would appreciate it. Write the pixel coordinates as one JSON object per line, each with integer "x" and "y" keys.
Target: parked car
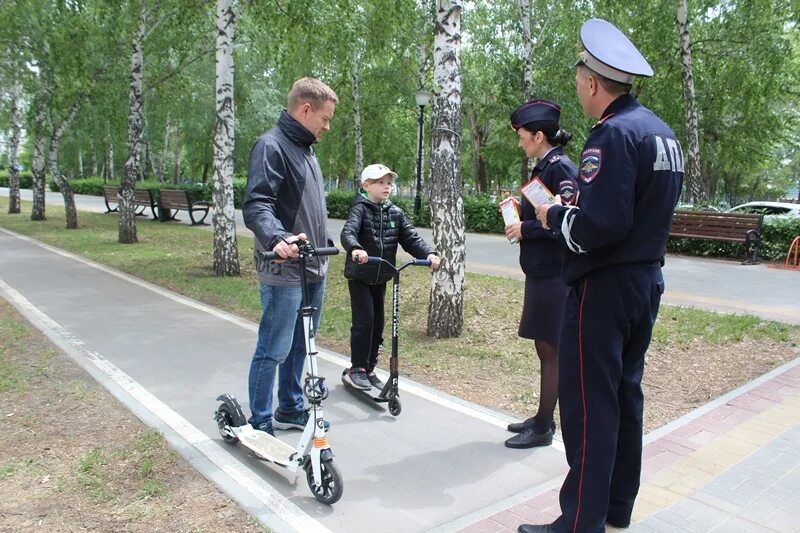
{"x": 693, "y": 207}
{"x": 768, "y": 209}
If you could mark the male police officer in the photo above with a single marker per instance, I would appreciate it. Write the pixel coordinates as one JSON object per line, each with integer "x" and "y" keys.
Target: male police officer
{"x": 629, "y": 178}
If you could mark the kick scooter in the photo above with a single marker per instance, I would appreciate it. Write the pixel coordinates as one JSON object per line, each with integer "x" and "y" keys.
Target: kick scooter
{"x": 390, "y": 392}
{"x": 312, "y": 454}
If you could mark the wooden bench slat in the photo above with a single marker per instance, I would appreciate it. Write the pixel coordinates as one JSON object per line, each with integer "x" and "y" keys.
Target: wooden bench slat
{"x": 142, "y": 198}
{"x": 727, "y": 227}
{"x": 178, "y": 200}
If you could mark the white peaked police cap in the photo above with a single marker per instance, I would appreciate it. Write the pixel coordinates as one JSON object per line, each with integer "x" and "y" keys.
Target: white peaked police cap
{"x": 376, "y": 172}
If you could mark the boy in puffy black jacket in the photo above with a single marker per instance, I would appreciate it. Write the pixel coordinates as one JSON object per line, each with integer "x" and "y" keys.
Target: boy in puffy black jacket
{"x": 374, "y": 227}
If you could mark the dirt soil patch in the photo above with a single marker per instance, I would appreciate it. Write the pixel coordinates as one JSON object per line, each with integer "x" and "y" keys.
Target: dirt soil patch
{"x": 72, "y": 458}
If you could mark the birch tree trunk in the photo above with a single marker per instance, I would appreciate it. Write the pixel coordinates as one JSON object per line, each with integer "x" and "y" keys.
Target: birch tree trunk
{"x": 162, "y": 177}
{"x": 527, "y": 75}
{"x": 445, "y": 313}
{"x": 356, "y": 92}
{"x": 38, "y": 166}
{"x": 80, "y": 163}
{"x": 226, "y": 251}
{"x": 131, "y": 169}
{"x": 94, "y": 157}
{"x": 63, "y": 184}
{"x": 478, "y": 136}
{"x": 13, "y": 151}
{"x": 112, "y": 176}
{"x": 694, "y": 181}
{"x": 176, "y": 154}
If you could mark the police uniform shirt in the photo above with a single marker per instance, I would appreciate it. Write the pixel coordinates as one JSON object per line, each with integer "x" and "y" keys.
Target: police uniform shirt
{"x": 540, "y": 253}
{"x": 630, "y": 175}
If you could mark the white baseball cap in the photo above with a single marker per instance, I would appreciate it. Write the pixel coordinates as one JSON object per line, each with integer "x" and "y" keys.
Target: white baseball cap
{"x": 376, "y": 172}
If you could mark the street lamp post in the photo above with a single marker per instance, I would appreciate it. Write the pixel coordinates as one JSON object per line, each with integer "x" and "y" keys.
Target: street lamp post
{"x": 422, "y": 97}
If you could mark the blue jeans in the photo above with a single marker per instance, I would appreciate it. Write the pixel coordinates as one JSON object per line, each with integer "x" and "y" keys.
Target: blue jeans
{"x": 281, "y": 345}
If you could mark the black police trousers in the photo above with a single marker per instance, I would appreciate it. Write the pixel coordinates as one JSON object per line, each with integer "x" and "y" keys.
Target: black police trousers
{"x": 607, "y": 327}
{"x": 366, "y": 331}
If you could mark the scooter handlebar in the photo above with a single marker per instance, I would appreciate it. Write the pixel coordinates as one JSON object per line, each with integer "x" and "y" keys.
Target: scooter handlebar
{"x": 372, "y": 260}
{"x": 272, "y": 256}
{"x": 422, "y": 262}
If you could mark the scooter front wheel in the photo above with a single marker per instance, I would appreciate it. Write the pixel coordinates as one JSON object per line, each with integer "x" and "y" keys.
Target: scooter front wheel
{"x": 395, "y": 407}
{"x": 330, "y": 490}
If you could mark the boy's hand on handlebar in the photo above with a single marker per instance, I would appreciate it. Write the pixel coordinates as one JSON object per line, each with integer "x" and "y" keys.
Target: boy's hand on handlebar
{"x": 287, "y": 249}
{"x": 435, "y": 260}
{"x": 359, "y": 256}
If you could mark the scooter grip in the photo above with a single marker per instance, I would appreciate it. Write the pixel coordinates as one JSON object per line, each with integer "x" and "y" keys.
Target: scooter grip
{"x": 371, "y": 260}
{"x": 326, "y": 251}
{"x": 422, "y": 262}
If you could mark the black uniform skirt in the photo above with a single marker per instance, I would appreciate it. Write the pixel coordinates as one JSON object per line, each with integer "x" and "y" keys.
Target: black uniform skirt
{"x": 543, "y": 309}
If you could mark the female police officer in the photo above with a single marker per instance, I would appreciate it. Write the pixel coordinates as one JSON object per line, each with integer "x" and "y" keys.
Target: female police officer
{"x": 629, "y": 178}
{"x": 536, "y": 123}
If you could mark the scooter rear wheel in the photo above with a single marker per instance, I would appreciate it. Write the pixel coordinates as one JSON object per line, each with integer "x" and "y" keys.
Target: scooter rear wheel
{"x": 330, "y": 490}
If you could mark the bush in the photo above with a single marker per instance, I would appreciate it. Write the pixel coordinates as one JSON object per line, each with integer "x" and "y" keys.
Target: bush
{"x": 25, "y": 179}
{"x": 339, "y": 203}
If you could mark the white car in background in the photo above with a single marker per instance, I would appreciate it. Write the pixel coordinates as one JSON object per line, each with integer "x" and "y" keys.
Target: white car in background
{"x": 768, "y": 209}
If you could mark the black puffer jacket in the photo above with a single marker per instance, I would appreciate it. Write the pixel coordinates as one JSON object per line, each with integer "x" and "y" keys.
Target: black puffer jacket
{"x": 378, "y": 229}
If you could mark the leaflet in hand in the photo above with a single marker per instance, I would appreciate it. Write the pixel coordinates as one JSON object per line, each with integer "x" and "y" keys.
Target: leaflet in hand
{"x": 510, "y": 210}
{"x": 537, "y": 193}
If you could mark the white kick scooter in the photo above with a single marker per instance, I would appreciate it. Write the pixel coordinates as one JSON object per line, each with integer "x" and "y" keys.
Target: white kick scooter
{"x": 312, "y": 454}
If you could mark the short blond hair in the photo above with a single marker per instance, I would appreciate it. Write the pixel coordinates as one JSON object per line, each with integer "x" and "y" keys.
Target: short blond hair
{"x": 310, "y": 90}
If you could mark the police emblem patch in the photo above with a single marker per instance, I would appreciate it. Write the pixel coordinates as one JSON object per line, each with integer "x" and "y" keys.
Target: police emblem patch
{"x": 567, "y": 192}
{"x": 590, "y": 164}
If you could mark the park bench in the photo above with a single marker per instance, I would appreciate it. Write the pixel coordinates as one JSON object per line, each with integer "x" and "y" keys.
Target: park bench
{"x": 726, "y": 227}
{"x": 142, "y": 199}
{"x": 171, "y": 200}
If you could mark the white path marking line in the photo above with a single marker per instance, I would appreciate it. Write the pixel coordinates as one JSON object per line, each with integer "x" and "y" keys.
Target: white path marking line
{"x": 281, "y": 506}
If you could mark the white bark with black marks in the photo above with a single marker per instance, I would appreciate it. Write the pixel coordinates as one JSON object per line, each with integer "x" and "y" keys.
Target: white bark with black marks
{"x": 13, "y": 150}
{"x": 63, "y": 184}
{"x": 131, "y": 170}
{"x": 356, "y": 92}
{"x": 527, "y": 60}
{"x": 694, "y": 181}
{"x": 94, "y": 157}
{"x": 445, "y": 314}
{"x": 226, "y": 250}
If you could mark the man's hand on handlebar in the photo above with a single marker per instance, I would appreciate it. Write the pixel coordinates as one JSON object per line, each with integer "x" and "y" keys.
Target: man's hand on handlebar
{"x": 435, "y": 260}
{"x": 287, "y": 249}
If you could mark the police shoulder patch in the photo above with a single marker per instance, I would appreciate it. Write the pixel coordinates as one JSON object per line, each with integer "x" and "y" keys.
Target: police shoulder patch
{"x": 555, "y": 159}
{"x": 566, "y": 189}
{"x": 591, "y": 160}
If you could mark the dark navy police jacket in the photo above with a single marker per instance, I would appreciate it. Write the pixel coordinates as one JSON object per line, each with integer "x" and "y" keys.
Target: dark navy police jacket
{"x": 629, "y": 178}
{"x": 540, "y": 254}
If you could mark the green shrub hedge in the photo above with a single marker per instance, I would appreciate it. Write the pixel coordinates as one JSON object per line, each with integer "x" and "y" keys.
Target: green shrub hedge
{"x": 481, "y": 216}
{"x": 25, "y": 179}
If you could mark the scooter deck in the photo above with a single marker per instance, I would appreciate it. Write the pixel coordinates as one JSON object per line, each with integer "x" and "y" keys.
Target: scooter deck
{"x": 264, "y": 445}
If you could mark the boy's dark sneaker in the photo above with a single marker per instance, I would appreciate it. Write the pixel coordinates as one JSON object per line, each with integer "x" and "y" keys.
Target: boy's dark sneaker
{"x": 375, "y": 380}
{"x": 296, "y": 420}
{"x": 357, "y": 377}
{"x": 266, "y": 427}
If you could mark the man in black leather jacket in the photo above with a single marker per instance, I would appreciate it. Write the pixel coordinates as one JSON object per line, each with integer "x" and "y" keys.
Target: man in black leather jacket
{"x": 374, "y": 227}
{"x": 285, "y": 202}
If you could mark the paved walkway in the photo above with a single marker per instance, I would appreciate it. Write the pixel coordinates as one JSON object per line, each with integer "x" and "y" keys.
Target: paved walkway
{"x": 732, "y": 465}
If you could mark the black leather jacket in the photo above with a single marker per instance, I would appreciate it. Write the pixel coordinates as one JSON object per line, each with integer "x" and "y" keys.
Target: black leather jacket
{"x": 378, "y": 229}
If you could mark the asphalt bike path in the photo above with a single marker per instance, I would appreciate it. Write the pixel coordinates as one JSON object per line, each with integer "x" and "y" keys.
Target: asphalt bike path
{"x": 719, "y": 285}
{"x": 439, "y": 466}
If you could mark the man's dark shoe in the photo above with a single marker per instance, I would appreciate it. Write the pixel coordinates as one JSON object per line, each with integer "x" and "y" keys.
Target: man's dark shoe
{"x": 294, "y": 420}
{"x": 531, "y": 528}
{"x": 266, "y": 427}
{"x": 519, "y": 427}
{"x": 530, "y": 439}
